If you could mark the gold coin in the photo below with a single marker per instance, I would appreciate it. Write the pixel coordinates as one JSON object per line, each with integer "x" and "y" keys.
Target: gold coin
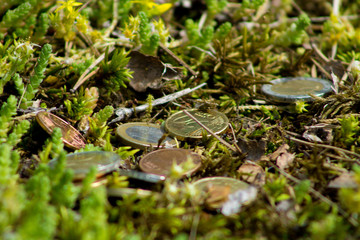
{"x": 142, "y": 135}
{"x": 183, "y": 127}
{"x": 205, "y": 184}
{"x": 70, "y": 136}
{"x": 160, "y": 161}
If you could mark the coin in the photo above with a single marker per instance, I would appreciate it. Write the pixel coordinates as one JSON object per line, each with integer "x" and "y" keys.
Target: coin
{"x": 160, "y": 161}
{"x": 218, "y": 189}
{"x": 70, "y": 136}
{"x": 82, "y": 162}
{"x": 183, "y": 127}
{"x": 205, "y": 184}
{"x": 295, "y": 89}
{"x": 121, "y": 192}
{"x": 146, "y": 177}
{"x": 142, "y": 135}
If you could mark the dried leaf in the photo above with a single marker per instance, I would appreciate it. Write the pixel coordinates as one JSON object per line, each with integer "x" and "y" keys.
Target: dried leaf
{"x": 282, "y": 149}
{"x": 321, "y": 133}
{"x": 252, "y": 173}
{"x": 149, "y": 72}
{"x": 345, "y": 180}
{"x": 285, "y": 160}
{"x": 253, "y": 148}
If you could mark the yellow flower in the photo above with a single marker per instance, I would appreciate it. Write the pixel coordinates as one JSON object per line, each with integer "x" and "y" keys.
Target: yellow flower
{"x": 154, "y": 8}
{"x": 68, "y": 5}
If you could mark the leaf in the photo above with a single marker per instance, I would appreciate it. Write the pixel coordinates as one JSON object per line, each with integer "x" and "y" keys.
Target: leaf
{"x": 345, "y": 180}
{"x": 253, "y": 148}
{"x": 252, "y": 173}
{"x": 285, "y": 160}
{"x": 149, "y": 72}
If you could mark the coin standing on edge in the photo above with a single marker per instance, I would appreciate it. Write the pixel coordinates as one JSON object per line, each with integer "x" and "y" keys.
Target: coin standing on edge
{"x": 141, "y": 176}
{"x": 142, "y": 135}
{"x": 160, "y": 161}
{"x": 82, "y": 162}
{"x": 183, "y": 127}
{"x": 70, "y": 136}
{"x": 121, "y": 192}
{"x": 294, "y": 89}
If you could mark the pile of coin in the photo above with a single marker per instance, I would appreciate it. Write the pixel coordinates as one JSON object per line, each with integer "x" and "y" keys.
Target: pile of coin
{"x": 156, "y": 165}
{"x": 140, "y": 135}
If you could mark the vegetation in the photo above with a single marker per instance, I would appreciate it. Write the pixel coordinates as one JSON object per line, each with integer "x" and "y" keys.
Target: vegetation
{"x": 72, "y": 57}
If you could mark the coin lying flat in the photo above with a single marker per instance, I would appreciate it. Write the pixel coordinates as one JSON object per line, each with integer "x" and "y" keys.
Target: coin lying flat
{"x": 218, "y": 189}
{"x": 142, "y": 135}
{"x": 81, "y": 163}
{"x": 70, "y": 136}
{"x": 295, "y": 89}
{"x": 206, "y": 183}
{"x": 160, "y": 161}
{"x": 183, "y": 127}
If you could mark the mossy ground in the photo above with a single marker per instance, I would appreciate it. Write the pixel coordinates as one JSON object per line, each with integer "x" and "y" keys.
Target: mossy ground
{"x": 302, "y": 157}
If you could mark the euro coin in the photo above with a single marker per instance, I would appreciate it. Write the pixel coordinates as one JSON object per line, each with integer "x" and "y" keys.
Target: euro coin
{"x": 181, "y": 126}
{"x": 161, "y": 161}
{"x": 70, "y": 136}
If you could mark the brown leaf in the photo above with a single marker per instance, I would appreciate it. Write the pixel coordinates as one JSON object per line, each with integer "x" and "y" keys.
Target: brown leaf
{"x": 321, "y": 133}
{"x": 345, "y": 180}
{"x": 285, "y": 160}
{"x": 282, "y": 149}
{"x": 149, "y": 72}
{"x": 253, "y": 148}
{"x": 252, "y": 173}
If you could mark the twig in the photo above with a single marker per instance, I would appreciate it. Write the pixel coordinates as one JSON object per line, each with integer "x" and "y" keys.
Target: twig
{"x": 85, "y": 5}
{"x": 319, "y": 53}
{"x": 176, "y": 58}
{"x": 328, "y": 75}
{"x": 115, "y": 19}
{"x": 81, "y": 80}
{"x": 124, "y": 113}
{"x": 211, "y": 132}
{"x": 326, "y": 146}
{"x": 317, "y": 194}
{"x": 348, "y": 69}
{"x": 234, "y": 137}
{"x": 336, "y": 10}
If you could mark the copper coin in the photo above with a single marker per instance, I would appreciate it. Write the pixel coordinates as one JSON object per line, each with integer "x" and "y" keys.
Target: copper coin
{"x": 160, "y": 161}
{"x": 205, "y": 184}
{"x": 70, "y": 136}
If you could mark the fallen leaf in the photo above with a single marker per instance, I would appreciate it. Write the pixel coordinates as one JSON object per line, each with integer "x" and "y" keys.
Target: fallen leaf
{"x": 253, "y": 148}
{"x": 345, "y": 180}
{"x": 321, "y": 133}
{"x": 336, "y": 67}
{"x": 285, "y": 160}
{"x": 282, "y": 156}
{"x": 252, "y": 173}
{"x": 149, "y": 72}
{"x": 282, "y": 149}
